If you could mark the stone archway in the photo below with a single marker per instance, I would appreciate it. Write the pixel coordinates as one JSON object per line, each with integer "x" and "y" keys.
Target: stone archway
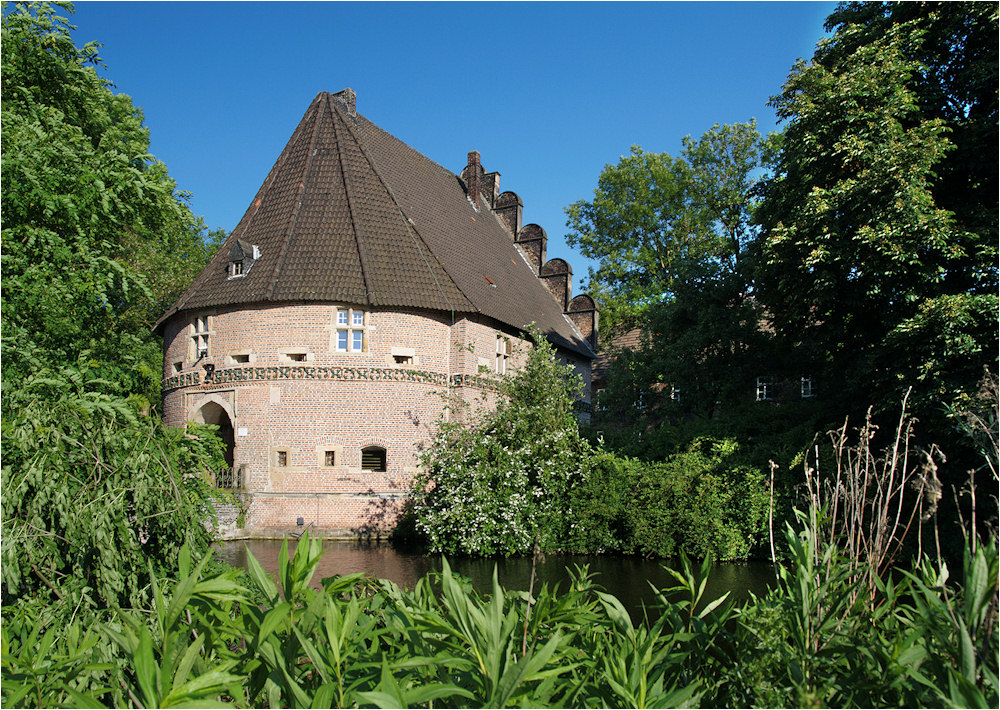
{"x": 214, "y": 413}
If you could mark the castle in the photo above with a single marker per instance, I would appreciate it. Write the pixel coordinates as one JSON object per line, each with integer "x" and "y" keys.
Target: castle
{"x": 365, "y": 290}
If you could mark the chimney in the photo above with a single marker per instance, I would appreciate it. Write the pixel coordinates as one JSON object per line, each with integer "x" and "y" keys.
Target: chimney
{"x": 472, "y": 176}
{"x": 349, "y": 99}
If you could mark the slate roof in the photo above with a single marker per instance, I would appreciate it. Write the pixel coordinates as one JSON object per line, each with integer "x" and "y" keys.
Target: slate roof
{"x": 350, "y": 214}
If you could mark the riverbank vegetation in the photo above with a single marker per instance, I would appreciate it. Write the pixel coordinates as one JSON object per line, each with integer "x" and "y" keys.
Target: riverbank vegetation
{"x": 827, "y": 634}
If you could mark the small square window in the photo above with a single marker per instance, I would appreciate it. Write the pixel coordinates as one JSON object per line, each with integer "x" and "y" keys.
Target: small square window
{"x": 403, "y": 359}
{"x": 341, "y": 317}
{"x": 241, "y": 359}
{"x": 282, "y": 459}
{"x": 358, "y": 319}
{"x": 329, "y": 458}
{"x": 178, "y": 366}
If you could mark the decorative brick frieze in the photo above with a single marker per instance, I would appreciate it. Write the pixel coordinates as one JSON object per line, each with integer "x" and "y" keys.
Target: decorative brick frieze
{"x": 186, "y": 379}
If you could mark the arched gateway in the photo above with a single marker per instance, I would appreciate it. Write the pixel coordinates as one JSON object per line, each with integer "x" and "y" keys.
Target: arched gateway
{"x": 365, "y": 290}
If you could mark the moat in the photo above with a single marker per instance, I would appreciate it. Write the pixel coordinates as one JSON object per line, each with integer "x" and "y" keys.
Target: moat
{"x": 628, "y": 578}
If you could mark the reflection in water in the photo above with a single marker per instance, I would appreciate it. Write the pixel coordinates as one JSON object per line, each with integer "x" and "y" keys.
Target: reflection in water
{"x": 628, "y": 578}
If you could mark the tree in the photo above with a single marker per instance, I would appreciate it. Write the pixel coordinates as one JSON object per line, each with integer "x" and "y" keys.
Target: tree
{"x": 95, "y": 239}
{"x": 657, "y": 223}
{"x": 867, "y": 274}
{"x": 95, "y": 236}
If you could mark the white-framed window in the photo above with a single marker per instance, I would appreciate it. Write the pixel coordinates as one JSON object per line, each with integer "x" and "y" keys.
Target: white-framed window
{"x": 200, "y": 330}
{"x": 351, "y": 333}
{"x": 503, "y": 353}
{"x": 765, "y": 389}
{"x": 806, "y": 387}
{"x": 675, "y": 393}
{"x": 236, "y": 269}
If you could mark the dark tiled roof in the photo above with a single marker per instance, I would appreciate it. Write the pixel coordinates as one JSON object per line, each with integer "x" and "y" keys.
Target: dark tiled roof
{"x": 351, "y": 214}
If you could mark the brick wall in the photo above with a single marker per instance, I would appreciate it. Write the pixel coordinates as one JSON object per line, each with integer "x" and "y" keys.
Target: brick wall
{"x": 292, "y": 396}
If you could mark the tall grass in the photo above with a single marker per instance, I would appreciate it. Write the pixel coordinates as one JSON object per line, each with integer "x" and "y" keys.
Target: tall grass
{"x": 224, "y": 638}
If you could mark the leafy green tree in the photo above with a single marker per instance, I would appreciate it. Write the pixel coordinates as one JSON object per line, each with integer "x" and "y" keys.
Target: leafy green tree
{"x": 659, "y": 223}
{"x": 95, "y": 240}
{"x": 869, "y": 270}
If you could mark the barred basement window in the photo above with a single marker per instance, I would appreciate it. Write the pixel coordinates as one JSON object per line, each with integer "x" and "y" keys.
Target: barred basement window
{"x": 350, "y": 335}
{"x": 373, "y": 458}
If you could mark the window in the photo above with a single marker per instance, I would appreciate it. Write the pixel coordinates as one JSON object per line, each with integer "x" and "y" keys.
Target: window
{"x": 765, "y": 389}
{"x": 503, "y": 352}
{"x": 199, "y": 337}
{"x": 806, "y": 387}
{"x": 241, "y": 358}
{"x": 402, "y": 359}
{"x": 281, "y": 459}
{"x": 178, "y": 366}
{"x": 373, "y": 458}
{"x": 675, "y": 393}
{"x": 350, "y": 335}
{"x": 297, "y": 357}
{"x": 241, "y": 258}
{"x": 329, "y": 458}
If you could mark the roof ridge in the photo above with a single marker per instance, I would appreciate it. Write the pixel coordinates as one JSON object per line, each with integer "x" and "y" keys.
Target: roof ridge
{"x": 362, "y": 251}
{"x": 411, "y": 228}
{"x": 295, "y": 212}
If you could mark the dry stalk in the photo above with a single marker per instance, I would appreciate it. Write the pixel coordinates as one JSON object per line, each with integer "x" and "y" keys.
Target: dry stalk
{"x": 868, "y": 511}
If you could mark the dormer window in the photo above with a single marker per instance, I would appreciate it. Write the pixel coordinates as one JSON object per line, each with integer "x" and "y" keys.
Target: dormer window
{"x": 241, "y": 258}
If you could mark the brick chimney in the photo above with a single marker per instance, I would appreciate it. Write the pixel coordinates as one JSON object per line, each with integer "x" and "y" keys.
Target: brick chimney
{"x": 349, "y": 99}
{"x": 473, "y": 177}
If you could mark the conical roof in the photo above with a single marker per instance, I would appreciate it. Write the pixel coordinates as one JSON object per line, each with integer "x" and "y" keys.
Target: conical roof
{"x": 350, "y": 214}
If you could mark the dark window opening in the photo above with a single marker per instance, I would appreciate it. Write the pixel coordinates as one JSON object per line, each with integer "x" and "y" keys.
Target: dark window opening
{"x": 297, "y": 357}
{"x": 241, "y": 358}
{"x": 403, "y": 359}
{"x": 330, "y": 458}
{"x": 282, "y": 458}
{"x": 373, "y": 459}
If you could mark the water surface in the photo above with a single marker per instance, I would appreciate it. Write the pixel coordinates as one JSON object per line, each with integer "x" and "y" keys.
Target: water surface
{"x": 628, "y": 578}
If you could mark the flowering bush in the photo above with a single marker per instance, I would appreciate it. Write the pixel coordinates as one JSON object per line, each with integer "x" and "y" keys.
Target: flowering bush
{"x": 498, "y": 485}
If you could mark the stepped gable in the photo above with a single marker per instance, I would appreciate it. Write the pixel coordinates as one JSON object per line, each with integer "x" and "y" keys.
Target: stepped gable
{"x": 351, "y": 214}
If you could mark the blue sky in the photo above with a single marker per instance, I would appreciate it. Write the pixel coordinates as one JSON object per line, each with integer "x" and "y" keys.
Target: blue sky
{"x": 549, "y": 93}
